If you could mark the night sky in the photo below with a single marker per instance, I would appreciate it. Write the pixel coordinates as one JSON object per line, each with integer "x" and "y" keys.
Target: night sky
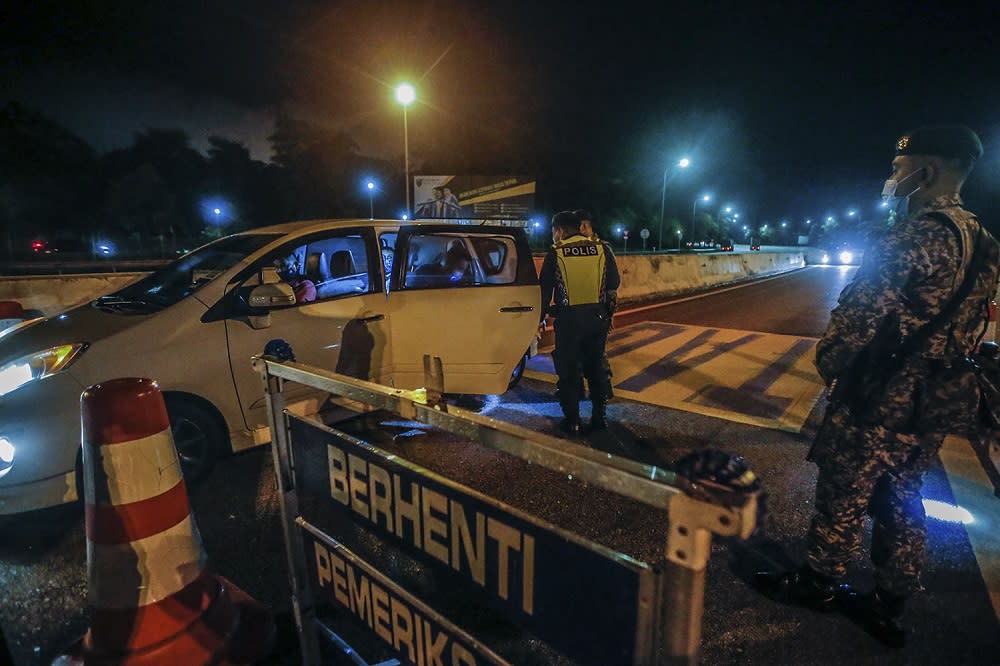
{"x": 787, "y": 110}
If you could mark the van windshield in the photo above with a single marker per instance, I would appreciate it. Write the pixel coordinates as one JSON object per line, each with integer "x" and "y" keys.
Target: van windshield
{"x": 186, "y": 275}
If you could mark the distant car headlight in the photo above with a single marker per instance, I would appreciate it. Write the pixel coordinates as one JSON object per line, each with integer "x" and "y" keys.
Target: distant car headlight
{"x": 39, "y": 365}
{"x": 825, "y": 258}
{"x": 846, "y": 257}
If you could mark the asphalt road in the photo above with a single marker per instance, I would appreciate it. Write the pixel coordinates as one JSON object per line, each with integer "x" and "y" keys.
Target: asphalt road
{"x": 43, "y": 556}
{"x": 796, "y": 303}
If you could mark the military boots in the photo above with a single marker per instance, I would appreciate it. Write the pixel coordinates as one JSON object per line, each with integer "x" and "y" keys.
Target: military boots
{"x": 804, "y": 587}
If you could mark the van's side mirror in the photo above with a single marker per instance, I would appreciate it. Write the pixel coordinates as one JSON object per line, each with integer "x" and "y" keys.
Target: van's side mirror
{"x": 269, "y": 275}
{"x": 271, "y": 295}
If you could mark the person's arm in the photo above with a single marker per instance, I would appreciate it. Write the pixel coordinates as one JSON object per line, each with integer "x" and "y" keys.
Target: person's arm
{"x": 547, "y": 282}
{"x": 612, "y": 278}
{"x": 872, "y": 301}
{"x": 305, "y": 291}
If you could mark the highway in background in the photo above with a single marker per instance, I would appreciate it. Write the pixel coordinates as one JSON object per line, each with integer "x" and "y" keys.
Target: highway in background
{"x": 683, "y": 374}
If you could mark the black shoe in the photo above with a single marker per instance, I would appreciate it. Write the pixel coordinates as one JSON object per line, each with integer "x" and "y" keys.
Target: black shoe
{"x": 571, "y": 427}
{"x": 598, "y": 417}
{"x": 802, "y": 588}
{"x": 881, "y": 615}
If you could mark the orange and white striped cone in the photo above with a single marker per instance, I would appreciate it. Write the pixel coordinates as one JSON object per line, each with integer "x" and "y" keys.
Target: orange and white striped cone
{"x": 150, "y": 597}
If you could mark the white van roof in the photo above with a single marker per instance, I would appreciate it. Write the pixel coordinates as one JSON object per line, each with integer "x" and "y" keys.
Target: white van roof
{"x": 320, "y": 225}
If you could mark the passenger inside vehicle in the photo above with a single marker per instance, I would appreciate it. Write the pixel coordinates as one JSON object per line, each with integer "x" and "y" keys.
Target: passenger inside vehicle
{"x": 289, "y": 270}
{"x": 455, "y": 264}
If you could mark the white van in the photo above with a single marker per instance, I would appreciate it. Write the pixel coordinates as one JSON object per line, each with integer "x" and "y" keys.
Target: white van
{"x": 381, "y": 300}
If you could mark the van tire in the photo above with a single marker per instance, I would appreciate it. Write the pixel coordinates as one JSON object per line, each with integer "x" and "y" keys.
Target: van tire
{"x": 198, "y": 436}
{"x": 515, "y": 377}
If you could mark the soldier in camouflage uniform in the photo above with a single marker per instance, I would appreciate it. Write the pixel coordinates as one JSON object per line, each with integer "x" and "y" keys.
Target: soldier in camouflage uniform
{"x": 875, "y": 444}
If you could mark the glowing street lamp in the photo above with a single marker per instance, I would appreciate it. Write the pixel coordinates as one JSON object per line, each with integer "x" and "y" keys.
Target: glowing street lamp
{"x": 684, "y": 163}
{"x": 371, "y": 202}
{"x": 679, "y": 234}
{"x": 406, "y": 95}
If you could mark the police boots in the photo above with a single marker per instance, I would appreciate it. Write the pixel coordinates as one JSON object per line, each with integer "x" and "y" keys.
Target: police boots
{"x": 598, "y": 417}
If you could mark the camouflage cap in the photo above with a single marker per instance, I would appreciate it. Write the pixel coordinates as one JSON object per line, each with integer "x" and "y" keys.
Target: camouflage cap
{"x": 951, "y": 141}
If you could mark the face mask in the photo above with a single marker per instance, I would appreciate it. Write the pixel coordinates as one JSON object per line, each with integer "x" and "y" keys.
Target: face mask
{"x": 899, "y": 204}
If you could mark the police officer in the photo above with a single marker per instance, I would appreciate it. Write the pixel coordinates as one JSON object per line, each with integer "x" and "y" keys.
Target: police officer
{"x": 872, "y": 454}
{"x": 577, "y": 273}
{"x": 587, "y": 229}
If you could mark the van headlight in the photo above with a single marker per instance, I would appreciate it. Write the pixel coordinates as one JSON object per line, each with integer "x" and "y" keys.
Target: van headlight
{"x": 7, "y": 452}
{"x": 17, "y": 373}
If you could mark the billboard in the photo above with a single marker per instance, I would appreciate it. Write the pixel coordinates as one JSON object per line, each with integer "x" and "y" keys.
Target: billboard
{"x": 473, "y": 197}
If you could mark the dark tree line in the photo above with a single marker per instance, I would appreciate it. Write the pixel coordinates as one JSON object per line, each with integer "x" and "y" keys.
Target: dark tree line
{"x": 160, "y": 195}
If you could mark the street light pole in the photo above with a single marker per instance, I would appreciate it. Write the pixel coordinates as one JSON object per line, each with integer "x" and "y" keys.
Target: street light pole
{"x": 405, "y": 94}
{"x": 371, "y": 201}
{"x": 694, "y": 210}
{"x": 683, "y": 164}
{"x": 663, "y": 199}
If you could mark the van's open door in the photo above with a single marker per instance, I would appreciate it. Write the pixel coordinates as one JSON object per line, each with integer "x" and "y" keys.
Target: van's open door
{"x": 478, "y": 315}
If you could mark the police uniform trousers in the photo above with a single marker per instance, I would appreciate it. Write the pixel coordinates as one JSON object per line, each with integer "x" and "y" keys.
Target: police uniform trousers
{"x": 581, "y": 335}
{"x": 870, "y": 470}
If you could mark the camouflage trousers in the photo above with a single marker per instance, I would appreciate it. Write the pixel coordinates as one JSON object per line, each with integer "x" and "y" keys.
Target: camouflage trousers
{"x": 870, "y": 471}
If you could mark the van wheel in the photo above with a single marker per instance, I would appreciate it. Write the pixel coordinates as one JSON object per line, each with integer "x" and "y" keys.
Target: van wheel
{"x": 515, "y": 377}
{"x": 198, "y": 437}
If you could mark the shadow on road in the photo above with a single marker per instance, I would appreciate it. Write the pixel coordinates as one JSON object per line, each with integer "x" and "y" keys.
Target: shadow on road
{"x": 28, "y": 537}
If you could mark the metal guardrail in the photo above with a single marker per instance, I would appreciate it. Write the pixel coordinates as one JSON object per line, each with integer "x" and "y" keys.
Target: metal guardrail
{"x": 43, "y": 267}
{"x": 531, "y": 589}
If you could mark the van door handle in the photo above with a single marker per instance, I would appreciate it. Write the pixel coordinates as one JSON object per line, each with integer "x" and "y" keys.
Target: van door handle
{"x": 368, "y": 320}
{"x": 518, "y": 308}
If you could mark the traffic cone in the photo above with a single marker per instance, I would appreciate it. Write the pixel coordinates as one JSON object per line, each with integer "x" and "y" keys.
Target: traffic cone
{"x": 150, "y": 597}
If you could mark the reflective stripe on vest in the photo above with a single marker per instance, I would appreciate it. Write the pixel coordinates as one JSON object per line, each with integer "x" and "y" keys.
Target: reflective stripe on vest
{"x": 581, "y": 264}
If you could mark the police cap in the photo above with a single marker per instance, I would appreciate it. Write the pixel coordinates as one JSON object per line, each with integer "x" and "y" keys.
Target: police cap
{"x": 949, "y": 141}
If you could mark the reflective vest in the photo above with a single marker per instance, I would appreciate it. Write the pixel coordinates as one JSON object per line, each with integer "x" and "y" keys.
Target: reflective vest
{"x": 581, "y": 269}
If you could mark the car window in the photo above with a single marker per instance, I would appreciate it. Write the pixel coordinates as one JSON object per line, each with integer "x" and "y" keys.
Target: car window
{"x": 497, "y": 257}
{"x": 324, "y": 267}
{"x": 189, "y": 273}
{"x": 439, "y": 260}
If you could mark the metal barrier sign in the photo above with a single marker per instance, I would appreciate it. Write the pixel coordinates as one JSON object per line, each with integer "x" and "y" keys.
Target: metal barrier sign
{"x": 550, "y": 581}
{"x": 420, "y": 635}
{"x": 589, "y": 602}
